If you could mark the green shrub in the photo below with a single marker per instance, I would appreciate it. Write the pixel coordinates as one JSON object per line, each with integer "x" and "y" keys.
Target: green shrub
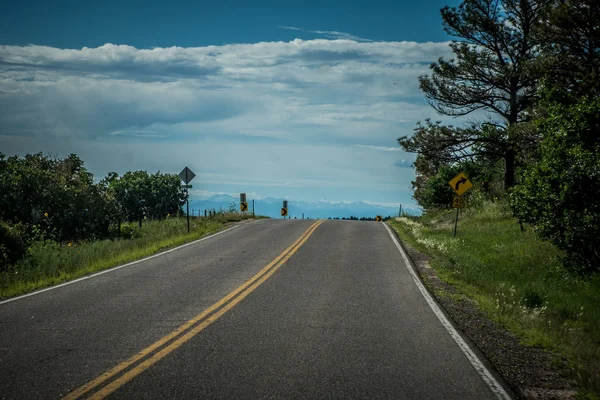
{"x": 129, "y": 232}
{"x": 559, "y": 194}
{"x": 12, "y": 244}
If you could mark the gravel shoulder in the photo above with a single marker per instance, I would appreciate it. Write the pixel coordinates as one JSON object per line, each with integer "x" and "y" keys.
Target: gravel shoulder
{"x": 531, "y": 372}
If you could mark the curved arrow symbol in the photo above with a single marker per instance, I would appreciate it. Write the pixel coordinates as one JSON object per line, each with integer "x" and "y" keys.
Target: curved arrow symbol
{"x": 461, "y": 180}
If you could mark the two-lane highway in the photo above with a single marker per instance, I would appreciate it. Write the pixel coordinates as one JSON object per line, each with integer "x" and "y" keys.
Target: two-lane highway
{"x": 271, "y": 309}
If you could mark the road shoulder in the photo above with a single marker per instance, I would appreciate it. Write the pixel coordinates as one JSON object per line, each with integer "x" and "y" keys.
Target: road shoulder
{"x": 529, "y": 371}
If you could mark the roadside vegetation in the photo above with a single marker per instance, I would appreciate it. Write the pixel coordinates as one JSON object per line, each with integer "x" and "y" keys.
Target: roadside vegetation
{"x": 528, "y": 244}
{"x": 49, "y": 262}
{"x": 56, "y": 223}
{"x": 518, "y": 280}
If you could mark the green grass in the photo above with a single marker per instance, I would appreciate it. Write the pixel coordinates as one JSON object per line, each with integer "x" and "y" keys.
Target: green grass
{"x": 517, "y": 280}
{"x": 48, "y": 263}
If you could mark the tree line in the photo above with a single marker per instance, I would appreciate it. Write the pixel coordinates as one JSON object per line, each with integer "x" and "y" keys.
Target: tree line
{"x": 533, "y": 67}
{"x": 51, "y": 198}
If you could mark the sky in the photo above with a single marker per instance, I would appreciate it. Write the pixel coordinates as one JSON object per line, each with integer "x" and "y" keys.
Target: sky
{"x": 302, "y": 100}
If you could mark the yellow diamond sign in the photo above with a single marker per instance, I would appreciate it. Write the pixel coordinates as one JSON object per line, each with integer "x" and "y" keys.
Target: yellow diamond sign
{"x": 460, "y": 184}
{"x": 244, "y": 206}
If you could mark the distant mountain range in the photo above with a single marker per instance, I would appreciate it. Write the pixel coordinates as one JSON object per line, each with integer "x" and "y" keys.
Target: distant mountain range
{"x": 271, "y": 207}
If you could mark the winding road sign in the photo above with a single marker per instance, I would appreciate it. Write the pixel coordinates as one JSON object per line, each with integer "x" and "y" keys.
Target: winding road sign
{"x": 460, "y": 184}
{"x": 244, "y": 206}
{"x": 378, "y": 218}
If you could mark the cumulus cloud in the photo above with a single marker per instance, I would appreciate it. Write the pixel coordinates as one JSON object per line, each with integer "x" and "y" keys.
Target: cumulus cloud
{"x": 319, "y": 87}
{"x": 127, "y": 108}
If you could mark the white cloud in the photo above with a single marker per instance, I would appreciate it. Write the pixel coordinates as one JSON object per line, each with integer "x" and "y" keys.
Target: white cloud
{"x": 328, "y": 34}
{"x": 296, "y": 114}
{"x": 378, "y": 148}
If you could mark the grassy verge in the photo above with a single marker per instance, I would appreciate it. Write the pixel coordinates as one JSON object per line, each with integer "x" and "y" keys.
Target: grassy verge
{"x": 48, "y": 263}
{"x": 517, "y": 280}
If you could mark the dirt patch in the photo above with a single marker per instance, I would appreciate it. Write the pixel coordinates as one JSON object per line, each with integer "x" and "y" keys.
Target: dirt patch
{"x": 529, "y": 371}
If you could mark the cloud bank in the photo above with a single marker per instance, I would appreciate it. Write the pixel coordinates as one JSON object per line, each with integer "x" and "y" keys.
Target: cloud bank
{"x": 307, "y": 114}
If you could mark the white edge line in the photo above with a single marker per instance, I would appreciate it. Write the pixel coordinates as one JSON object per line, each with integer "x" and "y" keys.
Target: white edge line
{"x": 481, "y": 369}
{"x": 106, "y": 271}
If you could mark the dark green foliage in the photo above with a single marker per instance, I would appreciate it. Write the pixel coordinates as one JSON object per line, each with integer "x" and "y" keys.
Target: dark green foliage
{"x": 44, "y": 198}
{"x": 446, "y": 144}
{"x": 140, "y": 194}
{"x": 435, "y": 192}
{"x": 560, "y": 193}
{"x": 12, "y": 244}
{"x": 571, "y": 48}
{"x": 495, "y": 70}
{"x": 57, "y": 195}
{"x": 431, "y": 189}
{"x": 494, "y": 67}
{"x": 532, "y": 298}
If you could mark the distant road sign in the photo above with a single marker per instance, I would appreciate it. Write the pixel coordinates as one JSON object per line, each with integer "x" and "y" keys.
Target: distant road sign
{"x": 186, "y": 175}
{"x": 458, "y": 202}
{"x": 284, "y": 212}
{"x": 378, "y": 218}
{"x": 244, "y": 206}
{"x": 460, "y": 184}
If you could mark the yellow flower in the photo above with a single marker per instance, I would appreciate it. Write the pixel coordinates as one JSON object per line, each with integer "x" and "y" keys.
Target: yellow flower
{"x": 70, "y": 244}
{"x": 46, "y": 215}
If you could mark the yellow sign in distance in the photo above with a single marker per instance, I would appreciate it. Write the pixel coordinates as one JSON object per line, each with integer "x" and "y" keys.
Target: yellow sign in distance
{"x": 460, "y": 184}
{"x": 244, "y": 206}
{"x": 284, "y": 212}
{"x": 458, "y": 202}
{"x": 378, "y": 218}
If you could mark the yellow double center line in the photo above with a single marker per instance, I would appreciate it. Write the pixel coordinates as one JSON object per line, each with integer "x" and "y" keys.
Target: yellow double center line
{"x": 106, "y": 383}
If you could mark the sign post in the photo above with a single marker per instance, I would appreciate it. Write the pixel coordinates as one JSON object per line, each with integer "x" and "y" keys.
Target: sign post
{"x": 243, "y": 202}
{"x": 186, "y": 175}
{"x": 460, "y": 184}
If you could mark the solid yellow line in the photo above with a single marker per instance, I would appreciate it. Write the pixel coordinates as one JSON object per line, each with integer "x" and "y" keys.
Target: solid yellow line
{"x": 127, "y": 363}
{"x": 138, "y": 369}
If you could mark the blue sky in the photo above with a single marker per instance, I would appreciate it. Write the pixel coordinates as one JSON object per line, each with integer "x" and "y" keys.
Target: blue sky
{"x": 303, "y": 100}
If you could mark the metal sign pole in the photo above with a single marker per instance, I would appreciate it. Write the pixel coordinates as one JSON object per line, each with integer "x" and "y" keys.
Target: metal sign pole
{"x": 253, "y": 207}
{"x": 455, "y": 223}
{"x": 188, "y": 209}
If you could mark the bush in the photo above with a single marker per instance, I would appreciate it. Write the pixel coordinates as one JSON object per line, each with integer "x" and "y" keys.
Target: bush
{"x": 436, "y": 193}
{"x": 129, "y": 232}
{"x": 12, "y": 244}
{"x": 560, "y": 193}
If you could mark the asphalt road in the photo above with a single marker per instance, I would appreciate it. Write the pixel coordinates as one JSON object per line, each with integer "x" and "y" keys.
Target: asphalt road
{"x": 336, "y": 316}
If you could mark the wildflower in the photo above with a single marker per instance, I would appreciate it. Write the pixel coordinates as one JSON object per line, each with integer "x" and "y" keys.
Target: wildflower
{"x": 46, "y": 214}
{"x": 70, "y": 244}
